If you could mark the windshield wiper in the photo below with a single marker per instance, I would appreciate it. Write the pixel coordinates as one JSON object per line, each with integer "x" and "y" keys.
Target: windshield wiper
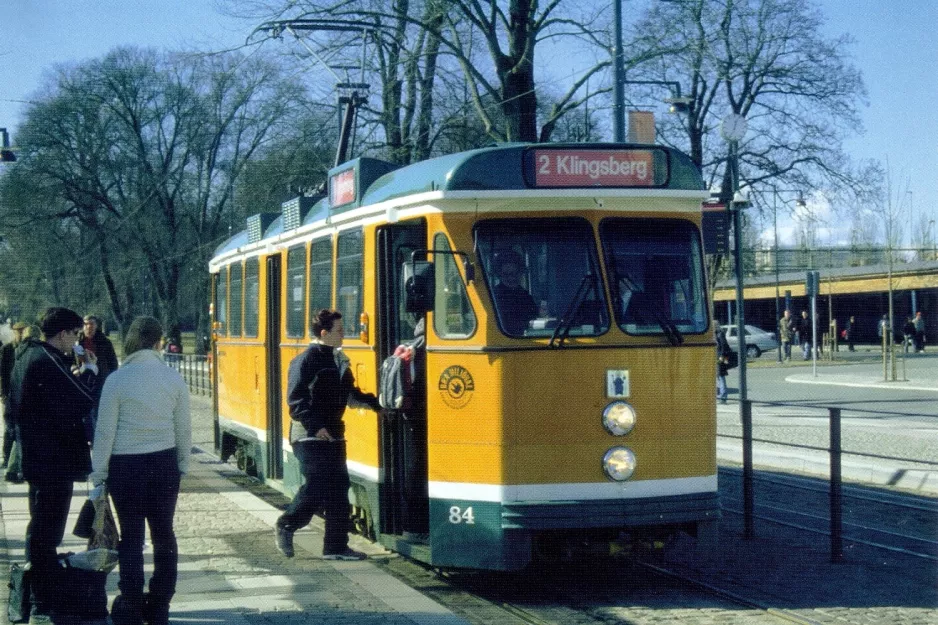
{"x": 669, "y": 328}
{"x": 566, "y": 321}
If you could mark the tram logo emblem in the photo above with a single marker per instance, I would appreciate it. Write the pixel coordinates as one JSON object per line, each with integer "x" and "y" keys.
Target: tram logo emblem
{"x": 456, "y": 386}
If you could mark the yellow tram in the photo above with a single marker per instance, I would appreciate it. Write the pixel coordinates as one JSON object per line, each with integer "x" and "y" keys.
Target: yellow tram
{"x": 565, "y": 391}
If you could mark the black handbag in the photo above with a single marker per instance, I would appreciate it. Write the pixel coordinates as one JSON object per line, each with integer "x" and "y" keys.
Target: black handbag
{"x": 84, "y": 593}
{"x": 84, "y": 525}
{"x": 19, "y": 605}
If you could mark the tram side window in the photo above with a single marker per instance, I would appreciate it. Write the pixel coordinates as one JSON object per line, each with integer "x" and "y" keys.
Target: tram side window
{"x": 453, "y": 315}
{"x": 252, "y": 296}
{"x": 349, "y": 278}
{"x": 320, "y": 277}
{"x": 656, "y": 275}
{"x": 296, "y": 291}
{"x": 235, "y": 281}
{"x": 221, "y": 301}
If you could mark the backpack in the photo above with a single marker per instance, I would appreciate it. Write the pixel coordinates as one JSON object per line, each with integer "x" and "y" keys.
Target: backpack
{"x": 396, "y": 388}
{"x": 392, "y": 393}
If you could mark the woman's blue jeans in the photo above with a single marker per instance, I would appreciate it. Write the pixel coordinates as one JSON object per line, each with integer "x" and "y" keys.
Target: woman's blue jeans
{"x": 144, "y": 488}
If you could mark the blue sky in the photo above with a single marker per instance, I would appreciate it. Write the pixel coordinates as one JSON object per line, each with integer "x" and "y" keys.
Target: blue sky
{"x": 896, "y": 48}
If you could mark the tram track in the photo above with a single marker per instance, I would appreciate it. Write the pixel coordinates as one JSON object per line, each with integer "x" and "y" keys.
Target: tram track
{"x": 811, "y": 518}
{"x": 629, "y": 605}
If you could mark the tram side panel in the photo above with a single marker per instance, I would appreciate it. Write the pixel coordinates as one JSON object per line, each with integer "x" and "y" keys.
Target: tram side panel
{"x": 242, "y": 383}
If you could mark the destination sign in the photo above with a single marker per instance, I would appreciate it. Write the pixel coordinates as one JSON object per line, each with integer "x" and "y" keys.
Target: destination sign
{"x": 594, "y": 168}
{"x": 342, "y": 187}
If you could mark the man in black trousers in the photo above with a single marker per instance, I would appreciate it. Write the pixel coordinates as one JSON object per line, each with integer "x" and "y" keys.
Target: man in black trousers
{"x": 51, "y": 404}
{"x": 319, "y": 386}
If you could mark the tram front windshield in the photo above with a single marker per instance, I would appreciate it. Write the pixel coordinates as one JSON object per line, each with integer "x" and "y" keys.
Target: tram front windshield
{"x": 541, "y": 273}
{"x": 656, "y": 275}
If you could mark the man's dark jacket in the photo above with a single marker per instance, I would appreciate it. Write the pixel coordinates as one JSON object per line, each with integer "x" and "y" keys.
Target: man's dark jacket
{"x": 317, "y": 393}
{"x": 104, "y": 351}
{"x": 7, "y": 358}
{"x": 50, "y": 404}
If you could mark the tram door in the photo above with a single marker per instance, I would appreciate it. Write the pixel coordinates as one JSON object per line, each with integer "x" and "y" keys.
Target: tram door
{"x": 274, "y": 468}
{"x": 405, "y": 502}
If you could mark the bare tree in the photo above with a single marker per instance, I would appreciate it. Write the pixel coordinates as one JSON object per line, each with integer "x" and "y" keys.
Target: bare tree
{"x": 768, "y": 61}
{"x": 416, "y": 40}
{"x": 139, "y": 152}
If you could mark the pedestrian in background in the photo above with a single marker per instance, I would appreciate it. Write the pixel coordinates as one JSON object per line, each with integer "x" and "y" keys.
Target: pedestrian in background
{"x": 723, "y": 363}
{"x": 51, "y": 404}
{"x": 850, "y": 333}
{"x": 785, "y": 331}
{"x": 919, "y": 324}
{"x": 7, "y": 359}
{"x": 319, "y": 386}
{"x": 908, "y": 333}
{"x": 141, "y": 449}
{"x": 804, "y": 334}
{"x": 93, "y": 339}
{"x": 883, "y": 331}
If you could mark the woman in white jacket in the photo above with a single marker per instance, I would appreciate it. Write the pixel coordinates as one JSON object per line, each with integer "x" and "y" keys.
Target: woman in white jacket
{"x": 141, "y": 448}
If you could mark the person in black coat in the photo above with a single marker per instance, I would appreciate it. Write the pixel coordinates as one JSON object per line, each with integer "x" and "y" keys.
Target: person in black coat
{"x": 93, "y": 339}
{"x": 850, "y": 333}
{"x": 51, "y": 405}
{"x": 723, "y": 363}
{"x": 7, "y": 359}
{"x": 320, "y": 385}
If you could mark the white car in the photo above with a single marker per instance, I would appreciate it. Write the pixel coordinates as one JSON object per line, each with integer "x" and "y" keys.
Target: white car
{"x": 757, "y": 340}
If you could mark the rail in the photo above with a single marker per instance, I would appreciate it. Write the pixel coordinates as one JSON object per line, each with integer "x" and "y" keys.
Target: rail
{"x": 835, "y": 453}
{"x": 195, "y": 370}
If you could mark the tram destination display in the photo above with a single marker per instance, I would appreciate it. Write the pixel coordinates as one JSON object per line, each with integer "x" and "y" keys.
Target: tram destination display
{"x": 570, "y": 168}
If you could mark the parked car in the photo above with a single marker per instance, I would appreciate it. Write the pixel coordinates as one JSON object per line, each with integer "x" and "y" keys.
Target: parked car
{"x": 757, "y": 340}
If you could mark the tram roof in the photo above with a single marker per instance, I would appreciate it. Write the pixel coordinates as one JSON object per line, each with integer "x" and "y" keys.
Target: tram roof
{"x": 499, "y": 167}
{"x": 502, "y": 168}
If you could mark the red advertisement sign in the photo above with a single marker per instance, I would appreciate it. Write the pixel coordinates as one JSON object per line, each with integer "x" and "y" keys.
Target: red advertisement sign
{"x": 594, "y": 168}
{"x": 342, "y": 188}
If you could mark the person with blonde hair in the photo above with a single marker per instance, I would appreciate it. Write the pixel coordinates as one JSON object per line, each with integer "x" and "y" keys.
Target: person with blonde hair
{"x": 141, "y": 449}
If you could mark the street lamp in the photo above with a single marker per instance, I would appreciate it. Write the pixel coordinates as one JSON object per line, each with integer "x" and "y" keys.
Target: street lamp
{"x": 676, "y": 104}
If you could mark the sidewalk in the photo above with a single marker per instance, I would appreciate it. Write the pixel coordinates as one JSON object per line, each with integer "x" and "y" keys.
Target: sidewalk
{"x": 230, "y": 570}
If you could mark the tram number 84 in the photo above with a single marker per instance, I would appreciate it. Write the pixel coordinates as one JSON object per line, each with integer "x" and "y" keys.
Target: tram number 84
{"x": 457, "y": 515}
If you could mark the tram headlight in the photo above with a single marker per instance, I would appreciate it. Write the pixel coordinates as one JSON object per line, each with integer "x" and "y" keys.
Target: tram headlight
{"x": 619, "y": 463}
{"x": 619, "y": 418}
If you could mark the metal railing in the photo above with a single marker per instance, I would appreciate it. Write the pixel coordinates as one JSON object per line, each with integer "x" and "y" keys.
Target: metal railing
{"x": 835, "y": 453}
{"x": 195, "y": 370}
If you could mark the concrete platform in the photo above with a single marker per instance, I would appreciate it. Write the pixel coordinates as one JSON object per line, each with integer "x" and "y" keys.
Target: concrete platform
{"x": 230, "y": 570}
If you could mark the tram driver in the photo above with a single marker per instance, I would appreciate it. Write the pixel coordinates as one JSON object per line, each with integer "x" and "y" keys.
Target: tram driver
{"x": 516, "y": 308}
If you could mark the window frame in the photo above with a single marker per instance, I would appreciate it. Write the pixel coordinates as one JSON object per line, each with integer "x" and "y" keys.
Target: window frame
{"x": 443, "y": 264}
{"x": 236, "y": 299}
{"x": 313, "y": 287}
{"x": 252, "y": 311}
{"x": 221, "y": 301}
{"x": 343, "y": 263}
{"x": 295, "y": 317}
